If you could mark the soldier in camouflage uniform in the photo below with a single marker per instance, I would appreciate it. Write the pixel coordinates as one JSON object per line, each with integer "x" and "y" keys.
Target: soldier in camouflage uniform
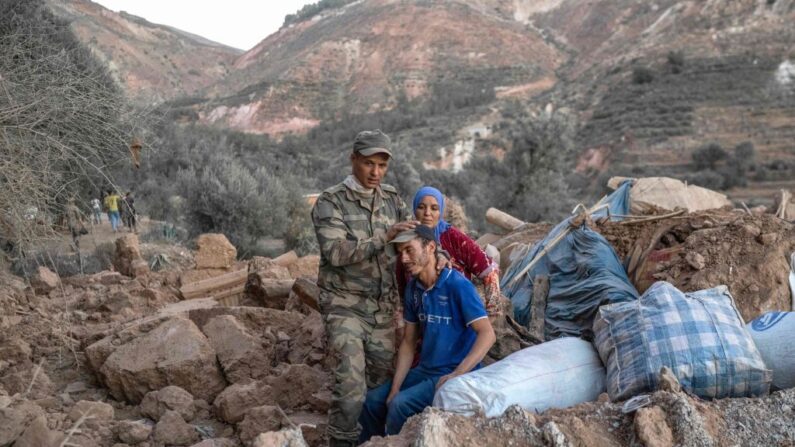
{"x": 353, "y": 221}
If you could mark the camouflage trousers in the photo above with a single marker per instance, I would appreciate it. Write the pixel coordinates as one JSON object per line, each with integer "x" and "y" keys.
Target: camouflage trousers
{"x": 363, "y": 356}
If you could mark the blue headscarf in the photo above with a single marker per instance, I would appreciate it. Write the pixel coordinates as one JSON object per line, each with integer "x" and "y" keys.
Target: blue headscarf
{"x": 442, "y": 226}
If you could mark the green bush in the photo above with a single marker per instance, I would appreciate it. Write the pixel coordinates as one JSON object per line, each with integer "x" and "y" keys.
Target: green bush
{"x": 226, "y": 197}
{"x": 676, "y": 60}
{"x": 708, "y": 156}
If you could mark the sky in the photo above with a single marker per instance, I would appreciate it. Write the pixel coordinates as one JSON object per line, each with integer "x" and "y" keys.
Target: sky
{"x": 237, "y": 23}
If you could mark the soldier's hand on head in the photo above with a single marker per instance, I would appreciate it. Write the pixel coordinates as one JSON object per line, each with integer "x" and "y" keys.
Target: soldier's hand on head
{"x": 400, "y": 227}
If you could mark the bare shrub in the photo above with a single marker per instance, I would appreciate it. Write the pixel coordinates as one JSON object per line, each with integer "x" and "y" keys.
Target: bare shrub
{"x": 63, "y": 123}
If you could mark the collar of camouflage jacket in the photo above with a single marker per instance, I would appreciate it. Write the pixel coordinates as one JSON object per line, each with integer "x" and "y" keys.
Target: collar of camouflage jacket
{"x": 354, "y": 185}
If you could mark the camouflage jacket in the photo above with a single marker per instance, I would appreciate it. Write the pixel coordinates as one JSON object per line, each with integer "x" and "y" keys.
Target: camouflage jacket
{"x": 356, "y": 276}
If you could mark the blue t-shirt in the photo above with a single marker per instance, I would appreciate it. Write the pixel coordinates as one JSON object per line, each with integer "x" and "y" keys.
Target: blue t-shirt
{"x": 444, "y": 313}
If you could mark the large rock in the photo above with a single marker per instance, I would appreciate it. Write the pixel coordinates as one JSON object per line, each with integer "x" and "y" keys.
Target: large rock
{"x": 156, "y": 403}
{"x": 94, "y": 413}
{"x": 271, "y": 293}
{"x": 652, "y": 428}
{"x": 268, "y": 268}
{"x": 173, "y": 430}
{"x": 39, "y": 435}
{"x": 289, "y": 437}
{"x": 260, "y": 420}
{"x": 303, "y": 382}
{"x": 21, "y": 380}
{"x": 293, "y": 337}
{"x": 12, "y": 425}
{"x": 309, "y": 344}
{"x": 44, "y": 280}
{"x": 133, "y": 432}
{"x": 175, "y": 352}
{"x": 14, "y": 420}
{"x": 214, "y": 252}
{"x": 231, "y": 405}
{"x": 306, "y": 267}
{"x": 127, "y": 259}
{"x": 119, "y": 301}
{"x": 242, "y": 355}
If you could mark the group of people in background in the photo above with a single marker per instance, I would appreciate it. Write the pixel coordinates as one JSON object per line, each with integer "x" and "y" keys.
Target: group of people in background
{"x": 120, "y": 210}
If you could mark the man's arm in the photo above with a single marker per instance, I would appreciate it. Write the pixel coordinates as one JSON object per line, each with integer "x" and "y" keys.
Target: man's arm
{"x": 405, "y": 358}
{"x": 483, "y": 343}
{"x": 332, "y": 236}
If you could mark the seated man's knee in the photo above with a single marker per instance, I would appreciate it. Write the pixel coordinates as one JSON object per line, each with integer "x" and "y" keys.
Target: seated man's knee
{"x": 398, "y": 406}
{"x": 373, "y": 402}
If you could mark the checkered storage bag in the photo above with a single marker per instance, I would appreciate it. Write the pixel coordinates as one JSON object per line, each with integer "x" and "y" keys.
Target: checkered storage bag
{"x": 700, "y": 336}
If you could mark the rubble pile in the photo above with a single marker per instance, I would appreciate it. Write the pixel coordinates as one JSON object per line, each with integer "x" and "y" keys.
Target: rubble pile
{"x": 116, "y": 359}
{"x": 748, "y": 253}
{"x": 231, "y": 353}
{"x": 668, "y": 418}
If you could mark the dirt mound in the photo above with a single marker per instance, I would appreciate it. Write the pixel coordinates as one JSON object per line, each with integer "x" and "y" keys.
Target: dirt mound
{"x": 669, "y": 418}
{"x": 748, "y": 253}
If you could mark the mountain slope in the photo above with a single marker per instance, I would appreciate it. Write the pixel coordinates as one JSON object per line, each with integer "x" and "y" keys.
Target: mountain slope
{"x": 364, "y": 56}
{"x": 151, "y": 62}
{"x": 716, "y": 71}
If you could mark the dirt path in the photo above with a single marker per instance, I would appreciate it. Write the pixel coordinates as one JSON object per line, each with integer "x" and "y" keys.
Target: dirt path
{"x": 97, "y": 235}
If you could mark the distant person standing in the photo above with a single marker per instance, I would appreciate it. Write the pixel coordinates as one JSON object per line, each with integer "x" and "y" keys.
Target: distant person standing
{"x": 96, "y": 210}
{"x": 129, "y": 214}
{"x": 74, "y": 221}
{"x": 112, "y": 205}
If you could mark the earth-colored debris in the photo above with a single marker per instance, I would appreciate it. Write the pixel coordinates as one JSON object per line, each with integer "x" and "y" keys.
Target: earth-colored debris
{"x": 748, "y": 253}
{"x": 121, "y": 358}
{"x": 112, "y": 358}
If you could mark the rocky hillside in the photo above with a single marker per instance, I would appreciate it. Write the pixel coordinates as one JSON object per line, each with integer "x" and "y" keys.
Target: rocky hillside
{"x": 654, "y": 81}
{"x": 362, "y": 57}
{"x": 151, "y": 62}
{"x": 646, "y": 83}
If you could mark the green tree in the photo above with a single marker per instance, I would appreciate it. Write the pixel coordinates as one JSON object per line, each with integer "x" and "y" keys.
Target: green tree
{"x": 708, "y": 156}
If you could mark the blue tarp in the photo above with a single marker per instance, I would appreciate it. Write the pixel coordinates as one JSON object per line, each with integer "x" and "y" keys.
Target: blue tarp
{"x": 584, "y": 273}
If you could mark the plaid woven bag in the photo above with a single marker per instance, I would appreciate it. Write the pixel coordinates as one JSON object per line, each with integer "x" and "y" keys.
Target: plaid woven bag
{"x": 700, "y": 336}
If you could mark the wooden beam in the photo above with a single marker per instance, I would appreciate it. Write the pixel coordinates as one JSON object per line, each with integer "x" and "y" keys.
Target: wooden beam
{"x": 538, "y": 308}
{"x": 502, "y": 219}
{"x": 308, "y": 292}
{"x": 208, "y": 287}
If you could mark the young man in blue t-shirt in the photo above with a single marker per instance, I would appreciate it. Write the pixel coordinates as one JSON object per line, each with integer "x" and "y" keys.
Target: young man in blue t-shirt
{"x": 445, "y": 309}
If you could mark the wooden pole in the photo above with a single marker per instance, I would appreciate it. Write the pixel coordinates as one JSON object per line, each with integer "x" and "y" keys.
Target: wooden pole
{"x": 232, "y": 281}
{"x": 538, "y": 308}
{"x": 502, "y": 219}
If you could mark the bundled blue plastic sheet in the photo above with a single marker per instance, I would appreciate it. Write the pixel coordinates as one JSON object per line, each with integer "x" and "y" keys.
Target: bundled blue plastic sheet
{"x": 699, "y": 336}
{"x": 584, "y": 273}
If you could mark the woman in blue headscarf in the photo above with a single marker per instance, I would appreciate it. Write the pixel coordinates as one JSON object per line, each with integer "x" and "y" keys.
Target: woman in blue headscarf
{"x": 465, "y": 254}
